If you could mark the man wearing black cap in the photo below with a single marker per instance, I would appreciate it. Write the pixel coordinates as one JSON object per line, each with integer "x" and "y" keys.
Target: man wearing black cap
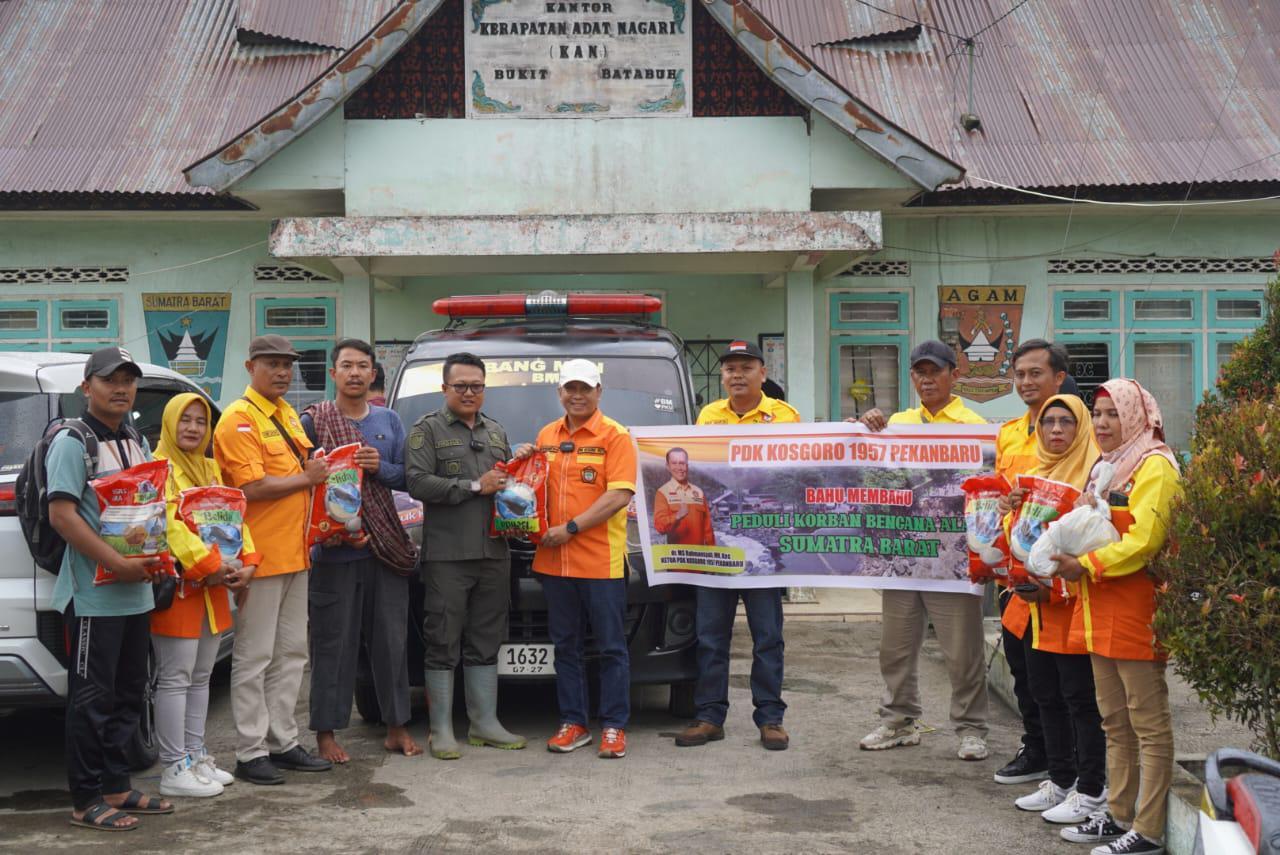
{"x": 261, "y": 447}
{"x": 957, "y": 618}
{"x": 108, "y": 625}
{"x": 742, "y": 373}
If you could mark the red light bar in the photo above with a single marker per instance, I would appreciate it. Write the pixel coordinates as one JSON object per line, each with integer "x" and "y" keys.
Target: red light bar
{"x": 545, "y": 304}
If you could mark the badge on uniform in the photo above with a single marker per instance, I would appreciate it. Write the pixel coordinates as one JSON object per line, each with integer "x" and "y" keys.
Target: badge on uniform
{"x": 416, "y": 439}
{"x": 588, "y": 475}
{"x": 453, "y": 467}
{"x": 766, "y": 417}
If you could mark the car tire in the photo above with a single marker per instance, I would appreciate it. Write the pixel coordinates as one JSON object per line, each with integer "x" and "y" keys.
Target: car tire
{"x": 144, "y": 748}
{"x": 681, "y": 704}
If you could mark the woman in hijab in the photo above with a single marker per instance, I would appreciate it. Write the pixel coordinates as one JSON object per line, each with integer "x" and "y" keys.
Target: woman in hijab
{"x": 186, "y": 635}
{"x": 1058, "y": 666}
{"x": 1117, "y": 604}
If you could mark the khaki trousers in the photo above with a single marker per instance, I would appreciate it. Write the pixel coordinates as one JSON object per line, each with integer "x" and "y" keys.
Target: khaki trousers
{"x": 957, "y": 619}
{"x": 268, "y": 660}
{"x": 1133, "y": 699}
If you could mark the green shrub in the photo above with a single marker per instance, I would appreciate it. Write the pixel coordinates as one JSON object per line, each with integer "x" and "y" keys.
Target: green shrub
{"x": 1218, "y": 612}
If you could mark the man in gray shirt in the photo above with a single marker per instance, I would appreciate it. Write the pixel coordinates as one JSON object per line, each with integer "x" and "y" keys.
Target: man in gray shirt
{"x": 449, "y": 467}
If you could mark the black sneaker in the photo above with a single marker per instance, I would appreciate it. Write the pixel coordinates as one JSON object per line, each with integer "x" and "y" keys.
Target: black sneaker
{"x": 298, "y": 759}
{"x": 1023, "y": 768}
{"x": 260, "y": 771}
{"x": 1132, "y": 843}
{"x": 1100, "y": 828}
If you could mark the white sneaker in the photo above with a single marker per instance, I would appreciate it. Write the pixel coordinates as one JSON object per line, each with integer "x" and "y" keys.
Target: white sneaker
{"x": 972, "y": 748}
{"x": 884, "y": 737}
{"x": 1048, "y": 795}
{"x": 205, "y": 767}
{"x": 182, "y": 779}
{"x": 1076, "y": 808}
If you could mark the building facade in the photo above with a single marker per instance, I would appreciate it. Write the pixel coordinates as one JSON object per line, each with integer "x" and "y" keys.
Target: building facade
{"x": 735, "y": 172}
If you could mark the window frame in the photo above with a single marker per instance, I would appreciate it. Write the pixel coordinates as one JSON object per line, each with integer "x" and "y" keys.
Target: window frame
{"x": 58, "y": 332}
{"x": 41, "y": 332}
{"x": 302, "y": 338}
{"x": 839, "y": 341}
{"x": 1061, "y": 295}
{"x": 1218, "y": 295}
{"x": 1132, "y": 296}
{"x": 902, "y": 298}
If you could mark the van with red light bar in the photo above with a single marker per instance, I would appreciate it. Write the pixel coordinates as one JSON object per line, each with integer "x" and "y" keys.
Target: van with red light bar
{"x": 36, "y": 387}
{"x": 524, "y": 341}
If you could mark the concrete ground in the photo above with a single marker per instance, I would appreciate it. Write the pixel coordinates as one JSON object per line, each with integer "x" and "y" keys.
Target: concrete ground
{"x": 823, "y": 795}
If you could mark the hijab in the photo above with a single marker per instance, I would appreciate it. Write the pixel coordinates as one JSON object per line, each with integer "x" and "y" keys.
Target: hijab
{"x": 194, "y": 466}
{"x": 1073, "y": 465}
{"x": 1141, "y": 430}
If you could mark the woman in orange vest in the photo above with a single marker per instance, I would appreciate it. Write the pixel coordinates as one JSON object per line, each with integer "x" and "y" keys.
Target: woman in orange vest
{"x": 1058, "y": 666}
{"x": 186, "y": 635}
{"x": 1117, "y": 604}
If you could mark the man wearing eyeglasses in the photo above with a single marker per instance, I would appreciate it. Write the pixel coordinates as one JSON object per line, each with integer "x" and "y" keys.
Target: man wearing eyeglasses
{"x": 449, "y": 468}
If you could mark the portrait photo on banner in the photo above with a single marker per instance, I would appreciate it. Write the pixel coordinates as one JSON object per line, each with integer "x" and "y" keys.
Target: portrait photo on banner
{"x": 823, "y": 505}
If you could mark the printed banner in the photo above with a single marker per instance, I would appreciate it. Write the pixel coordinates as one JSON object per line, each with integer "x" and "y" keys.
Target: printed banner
{"x": 823, "y": 505}
{"x": 188, "y": 333}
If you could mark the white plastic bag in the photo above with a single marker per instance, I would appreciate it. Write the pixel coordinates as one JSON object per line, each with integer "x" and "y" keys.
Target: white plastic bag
{"x": 1077, "y": 532}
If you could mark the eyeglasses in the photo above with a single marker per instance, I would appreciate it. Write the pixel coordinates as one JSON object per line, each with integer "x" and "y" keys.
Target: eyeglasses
{"x": 463, "y": 388}
{"x": 477, "y": 445}
{"x": 1066, "y": 422}
{"x": 567, "y": 447}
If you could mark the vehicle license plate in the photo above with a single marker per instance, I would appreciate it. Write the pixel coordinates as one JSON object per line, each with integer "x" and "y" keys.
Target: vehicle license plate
{"x": 526, "y": 660}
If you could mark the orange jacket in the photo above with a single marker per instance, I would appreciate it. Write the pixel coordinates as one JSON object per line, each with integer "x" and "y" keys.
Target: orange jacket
{"x": 695, "y": 527}
{"x": 603, "y": 459}
{"x": 1117, "y": 597}
{"x": 1016, "y": 455}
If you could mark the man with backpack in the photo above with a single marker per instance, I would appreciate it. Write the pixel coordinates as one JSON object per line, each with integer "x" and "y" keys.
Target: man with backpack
{"x": 108, "y": 625}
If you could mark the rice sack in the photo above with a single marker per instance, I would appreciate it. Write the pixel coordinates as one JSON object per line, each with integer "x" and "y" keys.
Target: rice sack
{"x": 1079, "y": 531}
{"x": 1046, "y": 500}
{"x": 216, "y": 516}
{"x": 983, "y": 528}
{"x": 520, "y": 508}
{"x": 335, "y": 504}
{"x": 132, "y": 515}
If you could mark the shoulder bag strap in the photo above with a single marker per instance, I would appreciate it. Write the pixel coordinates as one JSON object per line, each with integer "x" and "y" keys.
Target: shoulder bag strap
{"x": 302, "y": 458}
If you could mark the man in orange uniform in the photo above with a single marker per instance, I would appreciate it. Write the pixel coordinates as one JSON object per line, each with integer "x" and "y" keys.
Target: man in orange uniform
{"x": 591, "y": 477}
{"x": 1039, "y": 370}
{"x": 680, "y": 508}
{"x": 262, "y": 449}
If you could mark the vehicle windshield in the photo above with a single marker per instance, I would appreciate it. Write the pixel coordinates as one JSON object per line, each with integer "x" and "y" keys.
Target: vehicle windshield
{"x": 23, "y": 416}
{"x": 520, "y": 393}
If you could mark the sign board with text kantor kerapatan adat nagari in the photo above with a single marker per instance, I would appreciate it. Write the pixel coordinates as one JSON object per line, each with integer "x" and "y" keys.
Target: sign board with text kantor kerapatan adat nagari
{"x": 599, "y": 59}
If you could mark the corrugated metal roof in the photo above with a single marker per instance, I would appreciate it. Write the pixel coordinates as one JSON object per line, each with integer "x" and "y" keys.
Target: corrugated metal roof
{"x": 1088, "y": 92}
{"x": 117, "y": 96}
{"x": 334, "y": 23}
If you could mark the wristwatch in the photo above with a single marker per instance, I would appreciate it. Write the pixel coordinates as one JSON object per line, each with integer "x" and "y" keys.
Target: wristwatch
{"x": 571, "y": 527}
{"x": 475, "y": 486}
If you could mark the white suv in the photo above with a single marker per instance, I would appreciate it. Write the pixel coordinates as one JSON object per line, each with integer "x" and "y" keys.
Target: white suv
{"x": 35, "y": 388}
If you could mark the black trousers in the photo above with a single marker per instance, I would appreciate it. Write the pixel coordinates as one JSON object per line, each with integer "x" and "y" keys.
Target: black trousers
{"x": 1075, "y": 746}
{"x": 1015, "y": 653}
{"x": 105, "y": 685}
{"x": 352, "y": 603}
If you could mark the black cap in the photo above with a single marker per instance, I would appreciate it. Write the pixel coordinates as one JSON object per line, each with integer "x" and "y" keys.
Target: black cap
{"x": 933, "y": 351}
{"x": 271, "y": 345}
{"x": 740, "y": 347}
{"x": 104, "y": 362}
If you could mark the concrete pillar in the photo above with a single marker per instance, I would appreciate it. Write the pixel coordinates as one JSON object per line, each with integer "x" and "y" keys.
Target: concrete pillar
{"x": 801, "y": 379}
{"x": 356, "y": 314}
